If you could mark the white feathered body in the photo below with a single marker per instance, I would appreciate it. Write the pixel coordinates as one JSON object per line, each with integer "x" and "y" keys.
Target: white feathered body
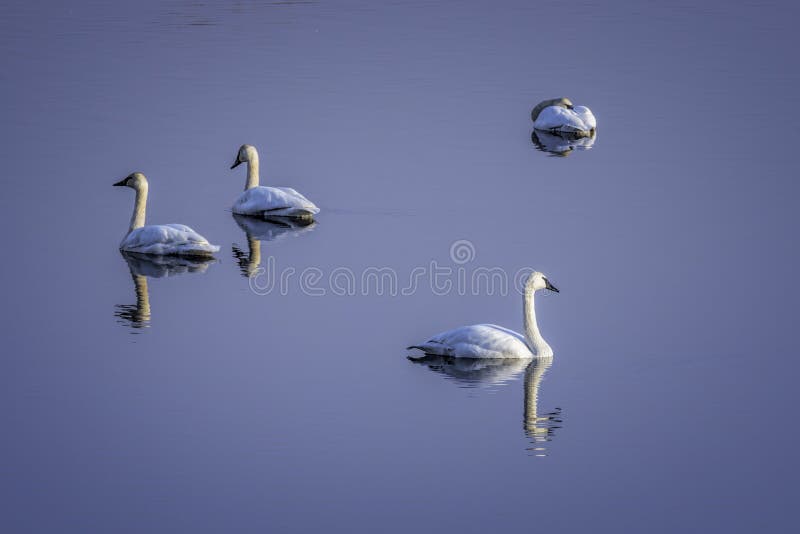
{"x": 478, "y": 341}
{"x": 167, "y": 239}
{"x": 577, "y": 121}
{"x": 275, "y": 202}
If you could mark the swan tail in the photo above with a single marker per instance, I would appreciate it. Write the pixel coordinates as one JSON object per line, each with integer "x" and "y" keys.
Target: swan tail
{"x": 204, "y": 250}
{"x": 304, "y": 213}
{"x": 432, "y": 348}
{"x": 420, "y": 357}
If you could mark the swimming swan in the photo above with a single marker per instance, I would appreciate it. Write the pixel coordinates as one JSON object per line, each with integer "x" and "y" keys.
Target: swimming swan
{"x": 162, "y": 239}
{"x": 492, "y": 341}
{"x": 559, "y": 115}
{"x": 265, "y": 201}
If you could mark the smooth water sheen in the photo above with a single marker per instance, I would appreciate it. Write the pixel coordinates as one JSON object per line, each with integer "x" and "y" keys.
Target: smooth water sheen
{"x": 146, "y": 396}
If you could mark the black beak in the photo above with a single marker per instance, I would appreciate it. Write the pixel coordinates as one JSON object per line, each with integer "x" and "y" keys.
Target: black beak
{"x": 236, "y": 164}
{"x": 551, "y": 287}
{"x": 120, "y": 183}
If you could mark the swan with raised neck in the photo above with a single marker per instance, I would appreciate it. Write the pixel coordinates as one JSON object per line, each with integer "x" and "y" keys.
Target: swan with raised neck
{"x": 533, "y": 337}
{"x": 159, "y": 239}
{"x": 138, "y": 183}
{"x": 248, "y": 154}
{"x": 263, "y": 201}
{"x": 492, "y": 341}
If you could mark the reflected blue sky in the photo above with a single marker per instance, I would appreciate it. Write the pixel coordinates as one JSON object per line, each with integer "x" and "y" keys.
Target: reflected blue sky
{"x": 671, "y": 239}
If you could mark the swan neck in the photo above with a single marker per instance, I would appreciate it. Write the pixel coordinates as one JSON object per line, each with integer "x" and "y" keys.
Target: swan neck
{"x": 139, "y": 208}
{"x": 252, "y": 172}
{"x": 536, "y": 342}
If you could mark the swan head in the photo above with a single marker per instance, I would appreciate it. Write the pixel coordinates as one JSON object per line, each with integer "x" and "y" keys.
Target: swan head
{"x": 135, "y": 180}
{"x": 563, "y": 102}
{"x": 537, "y": 281}
{"x": 247, "y": 153}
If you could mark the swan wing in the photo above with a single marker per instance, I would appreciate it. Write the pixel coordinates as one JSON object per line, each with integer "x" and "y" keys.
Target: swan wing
{"x": 296, "y": 196}
{"x": 586, "y": 115}
{"x": 477, "y": 341}
{"x": 274, "y": 201}
{"x": 560, "y": 119}
{"x": 167, "y": 239}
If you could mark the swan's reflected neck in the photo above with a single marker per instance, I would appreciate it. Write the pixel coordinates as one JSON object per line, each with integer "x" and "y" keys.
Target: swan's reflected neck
{"x": 142, "y": 299}
{"x": 255, "y": 254}
{"x": 250, "y": 263}
{"x": 139, "y": 207}
{"x": 138, "y": 315}
{"x": 482, "y": 372}
{"x": 252, "y": 170}
{"x": 144, "y": 266}
{"x": 536, "y": 342}
{"x": 532, "y": 421}
{"x": 254, "y": 257}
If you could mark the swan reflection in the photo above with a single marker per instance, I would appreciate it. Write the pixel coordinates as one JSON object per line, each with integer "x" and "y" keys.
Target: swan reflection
{"x": 561, "y": 144}
{"x": 487, "y": 372}
{"x": 144, "y": 266}
{"x": 267, "y": 229}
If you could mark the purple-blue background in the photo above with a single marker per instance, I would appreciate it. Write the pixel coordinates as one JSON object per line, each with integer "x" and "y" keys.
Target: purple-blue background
{"x": 673, "y": 241}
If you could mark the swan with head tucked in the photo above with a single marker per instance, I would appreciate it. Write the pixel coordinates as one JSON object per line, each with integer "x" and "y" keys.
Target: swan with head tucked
{"x": 492, "y": 341}
{"x": 261, "y": 201}
{"x": 160, "y": 239}
{"x": 559, "y": 115}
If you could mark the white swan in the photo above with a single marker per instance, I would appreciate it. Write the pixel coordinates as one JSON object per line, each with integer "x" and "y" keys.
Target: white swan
{"x": 492, "y": 341}
{"x": 161, "y": 239}
{"x": 559, "y": 115}
{"x": 265, "y": 201}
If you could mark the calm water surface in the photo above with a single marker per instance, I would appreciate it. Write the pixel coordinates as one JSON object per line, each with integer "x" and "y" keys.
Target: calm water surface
{"x": 140, "y": 396}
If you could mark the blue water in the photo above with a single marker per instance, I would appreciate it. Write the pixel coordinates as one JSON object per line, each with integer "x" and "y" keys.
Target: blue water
{"x": 218, "y": 406}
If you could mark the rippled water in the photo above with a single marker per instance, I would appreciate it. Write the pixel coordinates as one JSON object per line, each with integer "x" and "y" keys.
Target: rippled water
{"x": 270, "y": 390}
